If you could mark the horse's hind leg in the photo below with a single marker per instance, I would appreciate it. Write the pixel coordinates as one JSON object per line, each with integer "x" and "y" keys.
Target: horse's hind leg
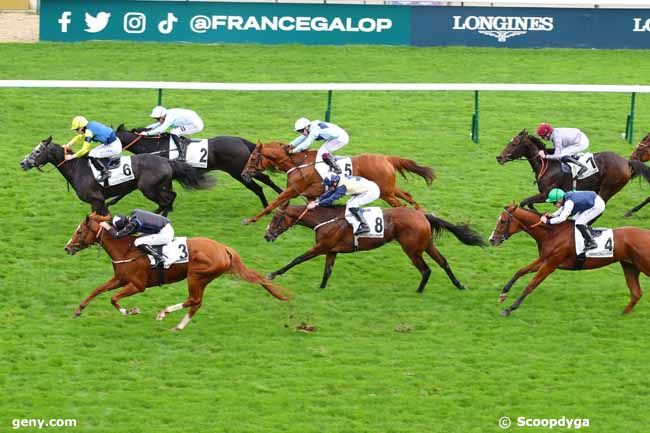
{"x": 407, "y": 197}
{"x": 418, "y": 262}
{"x": 632, "y": 280}
{"x": 329, "y": 264}
{"x": 195, "y": 286}
{"x": 442, "y": 262}
{"x": 391, "y": 199}
{"x": 637, "y": 208}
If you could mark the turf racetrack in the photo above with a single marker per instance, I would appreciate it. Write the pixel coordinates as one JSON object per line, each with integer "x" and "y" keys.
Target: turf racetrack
{"x": 383, "y": 359}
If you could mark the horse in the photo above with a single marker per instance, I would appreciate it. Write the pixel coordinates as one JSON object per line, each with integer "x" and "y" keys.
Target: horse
{"x": 641, "y": 153}
{"x": 413, "y": 229}
{"x": 556, "y": 246}
{"x": 304, "y": 180}
{"x": 614, "y": 171}
{"x": 153, "y": 176}
{"x": 207, "y": 260}
{"x": 225, "y": 153}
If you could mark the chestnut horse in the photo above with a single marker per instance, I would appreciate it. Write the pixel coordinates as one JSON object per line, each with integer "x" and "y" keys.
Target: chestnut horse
{"x": 556, "y": 246}
{"x": 413, "y": 229}
{"x": 641, "y": 153}
{"x": 208, "y": 260}
{"x": 304, "y": 180}
{"x": 614, "y": 171}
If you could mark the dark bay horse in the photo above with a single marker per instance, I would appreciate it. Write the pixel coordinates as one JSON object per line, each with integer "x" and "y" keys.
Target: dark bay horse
{"x": 153, "y": 176}
{"x": 225, "y": 153}
{"x": 208, "y": 260}
{"x": 304, "y": 180}
{"x": 614, "y": 171}
{"x": 641, "y": 153}
{"x": 413, "y": 229}
{"x": 556, "y": 246}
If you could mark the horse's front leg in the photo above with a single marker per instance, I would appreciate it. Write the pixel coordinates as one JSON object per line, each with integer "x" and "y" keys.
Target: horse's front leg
{"x": 544, "y": 271}
{"x": 636, "y": 208}
{"x": 286, "y": 195}
{"x": 128, "y": 290}
{"x": 537, "y": 198}
{"x": 111, "y": 284}
{"x": 316, "y": 250}
{"x": 532, "y": 267}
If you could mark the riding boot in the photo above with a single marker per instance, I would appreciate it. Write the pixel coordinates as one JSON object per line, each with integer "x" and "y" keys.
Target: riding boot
{"x": 101, "y": 164}
{"x": 572, "y": 160}
{"x": 181, "y": 145}
{"x": 329, "y": 159}
{"x": 148, "y": 249}
{"x": 363, "y": 225}
{"x": 590, "y": 244}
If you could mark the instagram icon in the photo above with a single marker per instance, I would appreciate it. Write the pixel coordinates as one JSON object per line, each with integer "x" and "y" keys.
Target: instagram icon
{"x": 135, "y": 22}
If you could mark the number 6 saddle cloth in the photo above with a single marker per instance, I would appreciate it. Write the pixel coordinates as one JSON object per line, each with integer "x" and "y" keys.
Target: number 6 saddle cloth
{"x": 174, "y": 252}
{"x": 374, "y": 217}
{"x": 603, "y": 237}
{"x": 120, "y": 172}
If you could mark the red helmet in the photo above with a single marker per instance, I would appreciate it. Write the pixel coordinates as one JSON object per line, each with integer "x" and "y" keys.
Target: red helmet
{"x": 544, "y": 130}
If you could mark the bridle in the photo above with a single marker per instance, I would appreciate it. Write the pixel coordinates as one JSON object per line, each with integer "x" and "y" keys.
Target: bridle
{"x": 504, "y": 235}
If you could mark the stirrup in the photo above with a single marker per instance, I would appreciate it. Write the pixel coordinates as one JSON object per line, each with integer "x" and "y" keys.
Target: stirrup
{"x": 362, "y": 229}
{"x": 103, "y": 176}
{"x": 590, "y": 246}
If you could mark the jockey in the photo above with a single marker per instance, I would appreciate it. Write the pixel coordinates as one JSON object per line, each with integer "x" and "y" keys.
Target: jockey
{"x": 157, "y": 230}
{"x": 567, "y": 142}
{"x": 362, "y": 190}
{"x": 88, "y": 132}
{"x": 182, "y": 121}
{"x": 583, "y": 206}
{"x": 334, "y": 136}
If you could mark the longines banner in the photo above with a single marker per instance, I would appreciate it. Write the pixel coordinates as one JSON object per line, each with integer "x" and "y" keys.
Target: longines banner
{"x": 274, "y": 23}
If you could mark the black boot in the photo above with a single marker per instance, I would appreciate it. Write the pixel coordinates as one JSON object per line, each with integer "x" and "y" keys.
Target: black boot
{"x": 363, "y": 226}
{"x": 148, "y": 249}
{"x": 181, "y": 145}
{"x": 101, "y": 164}
{"x": 572, "y": 160}
{"x": 590, "y": 244}
{"x": 329, "y": 159}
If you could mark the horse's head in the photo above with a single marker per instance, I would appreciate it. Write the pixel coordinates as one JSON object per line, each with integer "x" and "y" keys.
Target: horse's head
{"x": 642, "y": 151}
{"x": 280, "y": 223}
{"x": 39, "y": 156}
{"x": 86, "y": 234}
{"x": 522, "y": 145}
{"x": 507, "y": 225}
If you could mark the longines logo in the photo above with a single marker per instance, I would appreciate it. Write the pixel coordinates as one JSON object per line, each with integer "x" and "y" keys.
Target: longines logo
{"x": 641, "y": 25}
{"x": 501, "y": 27}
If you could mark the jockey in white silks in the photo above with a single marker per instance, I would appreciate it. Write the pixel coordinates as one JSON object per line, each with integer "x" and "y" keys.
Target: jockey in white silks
{"x": 334, "y": 137}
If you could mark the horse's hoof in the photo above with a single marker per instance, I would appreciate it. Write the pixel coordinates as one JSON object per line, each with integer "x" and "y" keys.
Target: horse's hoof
{"x": 161, "y": 315}
{"x": 76, "y": 314}
{"x": 270, "y": 276}
{"x": 502, "y": 297}
{"x": 461, "y": 287}
{"x": 133, "y": 311}
{"x": 505, "y": 313}
{"x": 628, "y": 214}
{"x": 247, "y": 221}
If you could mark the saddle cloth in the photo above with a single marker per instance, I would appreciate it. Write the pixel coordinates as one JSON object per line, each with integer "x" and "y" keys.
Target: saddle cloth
{"x": 375, "y": 219}
{"x": 344, "y": 163}
{"x": 196, "y": 154}
{"x": 588, "y": 160}
{"x": 174, "y": 252}
{"x": 123, "y": 172}
{"x": 605, "y": 241}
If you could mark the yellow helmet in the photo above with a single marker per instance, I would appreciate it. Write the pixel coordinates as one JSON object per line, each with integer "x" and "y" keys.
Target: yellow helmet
{"x": 79, "y": 122}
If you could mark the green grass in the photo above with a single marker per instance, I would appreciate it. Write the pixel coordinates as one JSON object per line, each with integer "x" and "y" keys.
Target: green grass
{"x": 240, "y": 366}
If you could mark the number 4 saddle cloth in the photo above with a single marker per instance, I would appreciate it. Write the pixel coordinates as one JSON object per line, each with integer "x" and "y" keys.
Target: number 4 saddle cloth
{"x": 174, "y": 252}
{"x": 603, "y": 237}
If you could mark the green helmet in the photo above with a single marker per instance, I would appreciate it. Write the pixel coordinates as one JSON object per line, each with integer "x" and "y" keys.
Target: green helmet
{"x": 556, "y": 194}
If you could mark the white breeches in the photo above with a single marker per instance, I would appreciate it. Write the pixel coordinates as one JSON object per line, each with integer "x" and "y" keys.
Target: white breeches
{"x": 107, "y": 150}
{"x": 369, "y": 196}
{"x": 189, "y": 129}
{"x": 163, "y": 237}
{"x": 332, "y": 145}
{"x": 589, "y": 214}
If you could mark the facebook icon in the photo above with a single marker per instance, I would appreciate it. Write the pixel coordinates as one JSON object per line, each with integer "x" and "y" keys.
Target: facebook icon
{"x": 65, "y": 20}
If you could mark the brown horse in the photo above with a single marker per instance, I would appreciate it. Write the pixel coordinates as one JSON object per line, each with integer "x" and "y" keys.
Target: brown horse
{"x": 208, "y": 260}
{"x": 304, "y": 180}
{"x": 614, "y": 171}
{"x": 556, "y": 246}
{"x": 413, "y": 229}
{"x": 641, "y": 153}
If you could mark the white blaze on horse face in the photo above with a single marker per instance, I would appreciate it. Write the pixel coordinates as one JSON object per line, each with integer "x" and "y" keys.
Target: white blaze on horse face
{"x": 495, "y": 228}
{"x": 75, "y": 232}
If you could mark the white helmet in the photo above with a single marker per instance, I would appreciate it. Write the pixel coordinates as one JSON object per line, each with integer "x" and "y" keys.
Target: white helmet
{"x": 301, "y": 124}
{"x": 158, "y": 112}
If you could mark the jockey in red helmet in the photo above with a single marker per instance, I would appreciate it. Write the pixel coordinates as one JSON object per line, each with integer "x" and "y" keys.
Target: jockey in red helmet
{"x": 567, "y": 142}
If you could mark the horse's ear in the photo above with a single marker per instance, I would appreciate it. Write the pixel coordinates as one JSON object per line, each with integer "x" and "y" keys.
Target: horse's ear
{"x": 120, "y": 127}
{"x": 87, "y": 219}
{"x": 48, "y": 140}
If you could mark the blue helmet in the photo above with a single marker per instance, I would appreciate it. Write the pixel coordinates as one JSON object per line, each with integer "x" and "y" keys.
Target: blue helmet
{"x": 331, "y": 179}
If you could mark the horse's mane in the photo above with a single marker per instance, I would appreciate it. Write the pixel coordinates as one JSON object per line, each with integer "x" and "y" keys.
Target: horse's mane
{"x": 123, "y": 128}
{"x": 536, "y": 141}
{"x": 514, "y": 206}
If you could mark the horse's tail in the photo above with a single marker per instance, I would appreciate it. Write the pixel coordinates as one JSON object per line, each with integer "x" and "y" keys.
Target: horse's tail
{"x": 191, "y": 177}
{"x": 463, "y": 232}
{"x": 237, "y": 267}
{"x": 639, "y": 169}
{"x": 403, "y": 164}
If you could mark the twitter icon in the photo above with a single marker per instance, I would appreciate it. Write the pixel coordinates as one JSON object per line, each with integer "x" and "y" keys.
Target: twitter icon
{"x": 95, "y": 24}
